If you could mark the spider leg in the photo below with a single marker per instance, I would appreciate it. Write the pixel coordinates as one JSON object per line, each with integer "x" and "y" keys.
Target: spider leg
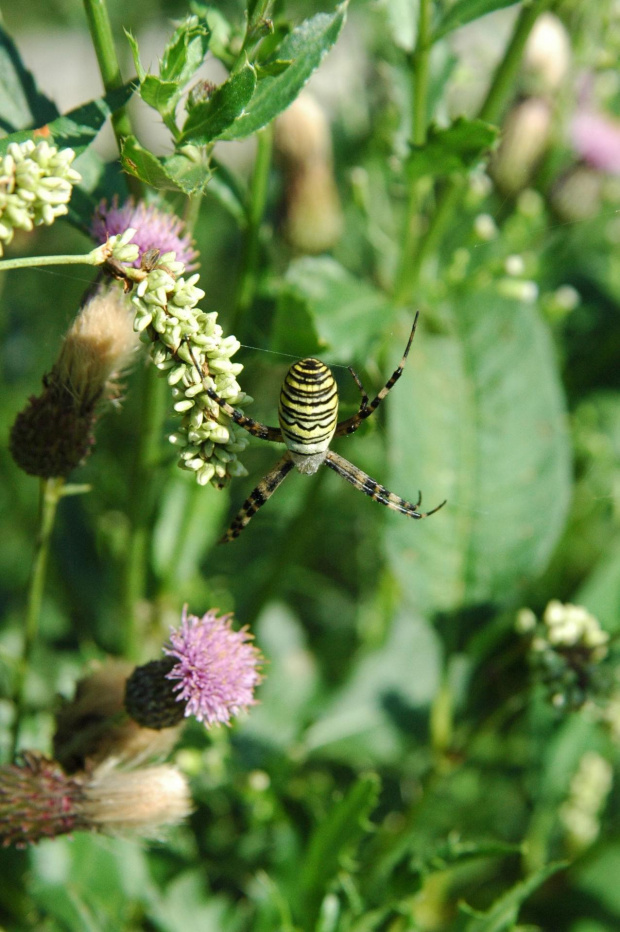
{"x": 378, "y": 493}
{"x": 262, "y": 431}
{"x": 263, "y": 491}
{"x": 366, "y": 409}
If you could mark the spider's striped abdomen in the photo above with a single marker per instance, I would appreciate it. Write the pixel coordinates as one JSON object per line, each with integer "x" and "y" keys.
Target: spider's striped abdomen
{"x": 308, "y": 411}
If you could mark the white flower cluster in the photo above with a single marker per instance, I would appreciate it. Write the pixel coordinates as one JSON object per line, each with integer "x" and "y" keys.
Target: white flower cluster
{"x": 566, "y": 648}
{"x": 36, "y": 182}
{"x": 569, "y": 626}
{"x": 589, "y": 789}
{"x": 183, "y": 338}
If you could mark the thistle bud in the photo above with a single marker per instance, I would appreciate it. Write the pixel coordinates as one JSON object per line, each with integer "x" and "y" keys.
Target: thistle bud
{"x": 313, "y": 215}
{"x": 54, "y": 433}
{"x": 524, "y": 142}
{"x": 547, "y": 55}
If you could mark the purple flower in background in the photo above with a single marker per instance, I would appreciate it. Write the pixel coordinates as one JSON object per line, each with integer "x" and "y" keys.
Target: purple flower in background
{"x": 217, "y": 669}
{"x": 596, "y": 138}
{"x": 155, "y": 229}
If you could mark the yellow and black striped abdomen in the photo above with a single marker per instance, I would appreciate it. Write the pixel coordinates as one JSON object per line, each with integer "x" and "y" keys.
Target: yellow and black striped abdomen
{"x": 308, "y": 410}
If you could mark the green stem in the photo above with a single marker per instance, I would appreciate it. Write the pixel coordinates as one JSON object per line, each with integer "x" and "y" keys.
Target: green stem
{"x": 103, "y": 41}
{"x": 417, "y": 188}
{"x": 497, "y": 97}
{"x": 140, "y": 503}
{"x": 51, "y": 493}
{"x": 30, "y": 262}
{"x": 258, "y": 197}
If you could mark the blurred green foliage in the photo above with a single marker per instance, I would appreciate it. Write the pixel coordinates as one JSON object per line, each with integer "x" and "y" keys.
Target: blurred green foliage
{"x": 404, "y": 770}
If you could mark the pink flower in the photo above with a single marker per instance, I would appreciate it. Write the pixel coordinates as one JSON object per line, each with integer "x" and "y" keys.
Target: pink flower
{"x": 218, "y": 667}
{"x": 596, "y": 138}
{"x": 155, "y": 229}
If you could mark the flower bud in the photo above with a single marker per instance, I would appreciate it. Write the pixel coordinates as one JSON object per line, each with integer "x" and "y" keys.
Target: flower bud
{"x": 525, "y": 139}
{"x": 313, "y": 215}
{"x": 54, "y": 433}
{"x": 547, "y": 55}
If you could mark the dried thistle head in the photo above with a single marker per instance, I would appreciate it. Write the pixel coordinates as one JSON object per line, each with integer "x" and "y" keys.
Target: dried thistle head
{"x": 39, "y": 800}
{"x": 93, "y": 726}
{"x": 135, "y": 802}
{"x": 54, "y": 432}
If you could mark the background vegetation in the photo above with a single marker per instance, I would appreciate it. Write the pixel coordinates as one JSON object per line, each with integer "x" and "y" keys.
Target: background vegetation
{"x": 407, "y": 767}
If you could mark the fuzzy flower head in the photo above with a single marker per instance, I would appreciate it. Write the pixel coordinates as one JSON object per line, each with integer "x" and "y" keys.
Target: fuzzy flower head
{"x": 155, "y": 229}
{"x": 217, "y": 669}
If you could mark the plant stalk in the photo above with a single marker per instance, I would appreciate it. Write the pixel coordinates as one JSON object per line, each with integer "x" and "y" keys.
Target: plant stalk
{"x": 103, "y": 41}
{"x": 51, "y": 493}
{"x": 491, "y": 110}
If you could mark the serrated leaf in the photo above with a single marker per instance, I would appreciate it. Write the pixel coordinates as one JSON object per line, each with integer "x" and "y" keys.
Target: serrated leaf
{"x": 465, "y": 11}
{"x": 209, "y": 119}
{"x": 140, "y": 162}
{"x": 21, "y": 102}
{"x": 135, "y": 51}
{"x": 78, "y": 128}
{"x": 160, "y": 95}
{"x": 453, "y": 150}
{"x": 348, "y": 314}
{"x": 305, "y": 48}
{"x": 503, "y": 914}
{"x": 479, "y": 418}
{"x": 185, "y": 51}
{"x": 333, "y": 840}
{"x": 189, "y": 175}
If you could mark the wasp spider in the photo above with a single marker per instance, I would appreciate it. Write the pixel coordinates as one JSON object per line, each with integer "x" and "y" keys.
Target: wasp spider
{"x": 308, "y": 415}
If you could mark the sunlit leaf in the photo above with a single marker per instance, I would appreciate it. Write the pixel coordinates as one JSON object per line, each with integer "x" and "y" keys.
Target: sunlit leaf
{"x": 305, "y": 48}
{"x": 209, "y": 119}
{"x": 478, "y": 418}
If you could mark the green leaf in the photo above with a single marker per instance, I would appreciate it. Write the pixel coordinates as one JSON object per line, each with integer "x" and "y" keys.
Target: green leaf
{"x": 185, "y": 51}
{"x": 479, "y": 418}
{"x": 140, "y": 162}
{"x": 455, "y": 149}
{"x": 305, "y": 48}
{"x": 294, "y": 327}
{"x": 333, "y": 840}
{"x": 209, "y": 119}
{"x": 78, "y": 128}
{"x": 188, "y": 171}
{"x": 184, "y": 171}
{"x": 21, "y": 102}
{"x": 135, "y": 51}
{"x": 465, "y": 11}
{"x": 347, "y": 315}
{"x": 160, "y": 95}
{"x": 503, "y": 914}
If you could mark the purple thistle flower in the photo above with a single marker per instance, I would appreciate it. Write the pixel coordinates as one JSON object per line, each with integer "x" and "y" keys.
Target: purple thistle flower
{"x": 218, "y": 667}
{"x": 155, "y": 229}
